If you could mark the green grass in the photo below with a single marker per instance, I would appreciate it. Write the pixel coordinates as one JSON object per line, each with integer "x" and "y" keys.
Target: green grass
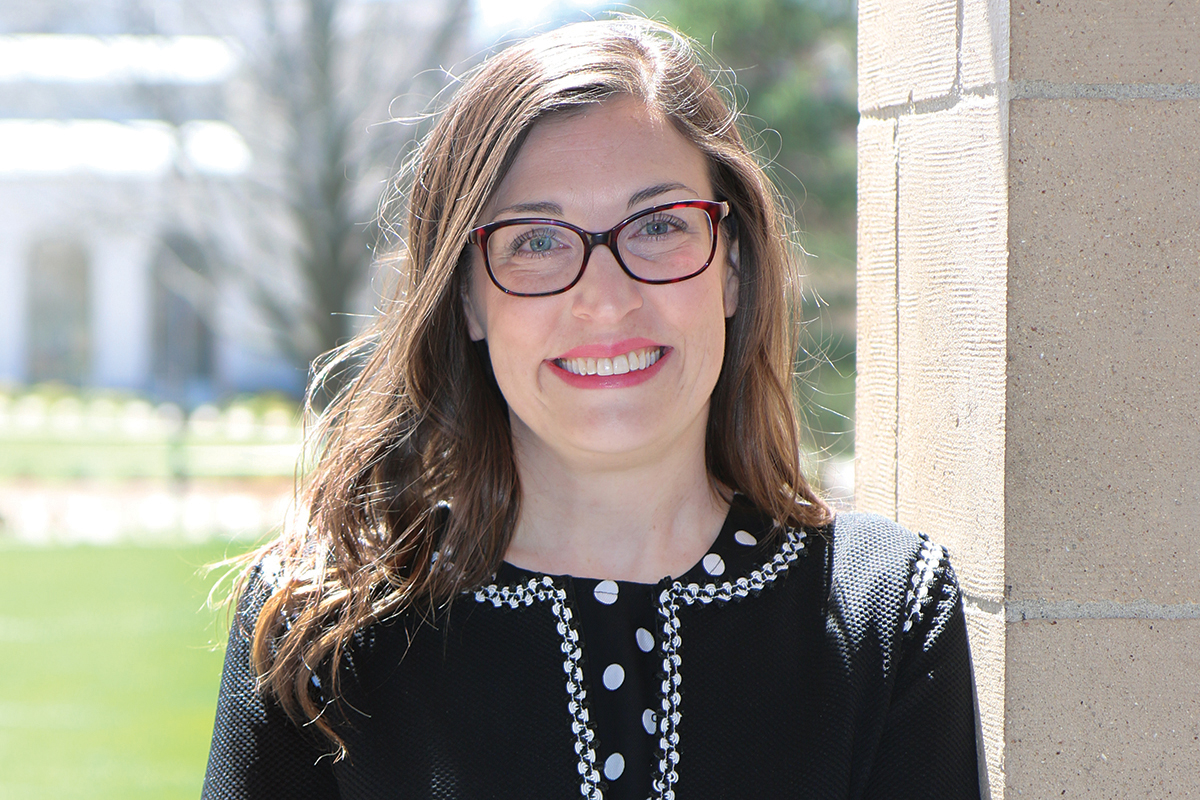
{"x": 108, "y": 674}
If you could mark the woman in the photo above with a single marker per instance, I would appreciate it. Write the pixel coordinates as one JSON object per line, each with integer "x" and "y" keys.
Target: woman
{"x": 558, "y": 542}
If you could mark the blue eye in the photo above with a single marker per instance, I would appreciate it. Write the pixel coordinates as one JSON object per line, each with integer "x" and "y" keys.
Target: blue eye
{"x": 659, "y": 225}
{"x": 528, "y": 242}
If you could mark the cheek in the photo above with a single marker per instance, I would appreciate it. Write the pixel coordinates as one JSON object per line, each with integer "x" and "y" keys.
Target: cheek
{"x": 713, "y": 339}
{"x": 475, "y": 303}
{"x": 516, "y": 336}
{"x": 706, "y": 314}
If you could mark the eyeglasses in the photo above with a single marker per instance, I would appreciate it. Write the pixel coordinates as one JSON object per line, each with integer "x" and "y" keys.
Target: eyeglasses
{"x": 538, "y": 257}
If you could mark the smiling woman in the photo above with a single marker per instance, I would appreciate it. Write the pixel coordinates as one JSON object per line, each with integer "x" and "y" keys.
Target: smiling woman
{"x": 558, "y": 542}
{"x": 576, "y": 451}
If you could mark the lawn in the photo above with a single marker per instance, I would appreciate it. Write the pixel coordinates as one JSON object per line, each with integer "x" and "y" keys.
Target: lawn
{"x": 108, "y": 671}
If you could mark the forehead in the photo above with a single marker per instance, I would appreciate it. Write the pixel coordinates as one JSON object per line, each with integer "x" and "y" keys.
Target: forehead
{"x": 602, "y": 155}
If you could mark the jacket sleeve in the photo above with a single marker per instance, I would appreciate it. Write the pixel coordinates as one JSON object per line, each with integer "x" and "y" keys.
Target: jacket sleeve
{"x": 257, "y": 751}
{"x": 927, "y": 747}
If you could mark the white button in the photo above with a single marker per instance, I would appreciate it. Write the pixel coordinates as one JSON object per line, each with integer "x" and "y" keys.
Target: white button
{"x": 606, "y": 592}
{"x": 649, "y": 721}
{"x": 713, "y": 564}
{"x": 645, "y": 640}
{"x": 744, "y": 537}
{"x": 614, "y": 766}
{"x": 614, "y": 676}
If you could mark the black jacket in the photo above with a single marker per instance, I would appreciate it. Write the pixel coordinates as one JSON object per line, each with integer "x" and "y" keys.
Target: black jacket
{"x": 821, "y": 664}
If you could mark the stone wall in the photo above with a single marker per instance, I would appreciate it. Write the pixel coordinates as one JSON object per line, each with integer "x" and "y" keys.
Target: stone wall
{"x": 1029, "y": 279}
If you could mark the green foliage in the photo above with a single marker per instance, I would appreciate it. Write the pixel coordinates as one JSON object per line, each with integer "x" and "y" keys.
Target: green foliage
{"x": 110, "y": 671}
{"x": 795, "y": 61}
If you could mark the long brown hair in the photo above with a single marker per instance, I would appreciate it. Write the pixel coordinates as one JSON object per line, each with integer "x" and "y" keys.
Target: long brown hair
{"x": 414, "y": 495}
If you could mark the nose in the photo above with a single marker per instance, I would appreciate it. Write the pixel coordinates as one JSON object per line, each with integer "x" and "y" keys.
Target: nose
{"x": 604, "y": 291}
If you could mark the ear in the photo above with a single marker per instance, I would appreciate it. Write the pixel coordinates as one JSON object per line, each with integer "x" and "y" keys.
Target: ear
{"x": 475, "y": 317}
{"x": 732, "y": 278}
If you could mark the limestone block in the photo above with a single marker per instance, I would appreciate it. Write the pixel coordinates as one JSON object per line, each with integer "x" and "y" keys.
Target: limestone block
{"x": 875, "y": 395}
{"x": 1103, "y": 421}
{"x": 1103, "y": 708}
{"x": 907, "y": 49}
{"x": 983, "y": 58}
{"x": 986, "y": 633}
{"x": 1106, "y": 41}
{"x": 952, "y": 240}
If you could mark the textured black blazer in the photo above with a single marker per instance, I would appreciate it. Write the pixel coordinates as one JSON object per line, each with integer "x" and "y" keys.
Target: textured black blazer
{"x": 830, "y": 663}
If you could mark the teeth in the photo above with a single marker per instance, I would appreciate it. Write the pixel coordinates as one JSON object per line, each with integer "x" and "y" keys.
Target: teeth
{"x": 618, "y": 365}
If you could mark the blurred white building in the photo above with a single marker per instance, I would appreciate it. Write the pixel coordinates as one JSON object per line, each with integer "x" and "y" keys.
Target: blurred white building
{"x": 141, "y": 195}
{"x": 113, "y": 145}
{"x": 135, "y": 146}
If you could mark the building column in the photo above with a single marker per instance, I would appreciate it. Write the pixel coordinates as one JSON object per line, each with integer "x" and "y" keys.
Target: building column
{"x": 1029, "y": 364}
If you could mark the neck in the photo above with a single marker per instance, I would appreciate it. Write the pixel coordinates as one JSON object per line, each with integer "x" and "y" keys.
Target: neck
{"x": 634, "y": 521}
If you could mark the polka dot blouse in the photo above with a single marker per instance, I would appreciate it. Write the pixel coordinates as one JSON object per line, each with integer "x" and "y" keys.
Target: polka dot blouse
{"x": 623, "y": 663}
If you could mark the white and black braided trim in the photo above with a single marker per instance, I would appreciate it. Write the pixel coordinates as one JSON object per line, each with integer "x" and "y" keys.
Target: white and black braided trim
{"x": 667, "y": 774}
{"x": 791, "y": 549}
{"x": 931, "y": 561}
{"x": 668, "y": 742}
{"x": 541, "y": 590}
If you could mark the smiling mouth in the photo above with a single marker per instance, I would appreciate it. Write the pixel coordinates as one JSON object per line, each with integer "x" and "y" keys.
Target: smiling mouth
{"x": 632, "y": 361}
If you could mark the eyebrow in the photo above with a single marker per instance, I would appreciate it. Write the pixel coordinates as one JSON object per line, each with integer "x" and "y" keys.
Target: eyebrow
{"x": 540, "y": 207}
{"x": 655, "y": 191}
{"x": 548, "y": 207}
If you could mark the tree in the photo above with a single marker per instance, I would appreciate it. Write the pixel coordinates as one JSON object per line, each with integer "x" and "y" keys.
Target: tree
{"x": 321, "y": 87}
{"x": 321, "y": 73}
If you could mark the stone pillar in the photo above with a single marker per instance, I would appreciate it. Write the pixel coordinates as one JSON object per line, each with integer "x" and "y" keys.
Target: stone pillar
{"x": 1029, "y": 364}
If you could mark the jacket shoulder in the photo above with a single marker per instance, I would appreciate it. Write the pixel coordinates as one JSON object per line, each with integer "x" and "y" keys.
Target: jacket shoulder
{"x": 883, "y": 575}
{"x": 869, "y": 547}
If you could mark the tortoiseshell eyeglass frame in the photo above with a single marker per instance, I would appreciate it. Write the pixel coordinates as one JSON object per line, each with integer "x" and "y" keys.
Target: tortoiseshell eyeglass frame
{"x": 716, "y": 211}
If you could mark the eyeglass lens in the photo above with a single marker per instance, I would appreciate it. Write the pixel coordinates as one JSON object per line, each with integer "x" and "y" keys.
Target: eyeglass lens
{"x": 661, "y": 245}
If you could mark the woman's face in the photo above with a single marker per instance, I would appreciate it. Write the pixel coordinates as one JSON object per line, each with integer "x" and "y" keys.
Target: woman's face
{"x": 593, "y": 169}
